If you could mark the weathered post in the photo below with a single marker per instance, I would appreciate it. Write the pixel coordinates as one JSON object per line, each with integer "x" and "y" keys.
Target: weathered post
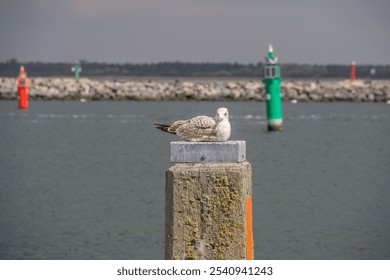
{"x": 208, "y": 202}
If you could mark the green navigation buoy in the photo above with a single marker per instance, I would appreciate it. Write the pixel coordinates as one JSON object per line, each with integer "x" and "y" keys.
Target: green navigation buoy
{"x": 76, "y": 69}
{"x": 272, "y": 81}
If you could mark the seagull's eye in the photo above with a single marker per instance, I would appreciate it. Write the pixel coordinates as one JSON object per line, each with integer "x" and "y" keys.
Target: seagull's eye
{"x": 225, "y": 114}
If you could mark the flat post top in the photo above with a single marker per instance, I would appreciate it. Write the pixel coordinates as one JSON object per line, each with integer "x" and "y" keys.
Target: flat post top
{"x": 229, "y": 151}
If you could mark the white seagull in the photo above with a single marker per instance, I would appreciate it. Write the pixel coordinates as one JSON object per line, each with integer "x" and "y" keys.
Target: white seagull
{"x": 201, "y": 128}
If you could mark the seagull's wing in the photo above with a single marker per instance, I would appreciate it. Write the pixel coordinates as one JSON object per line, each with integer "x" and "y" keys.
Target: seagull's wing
{"x": 202, "y": 122}
{"x": 173, "y": 127}
{"x": 197, "y": 129}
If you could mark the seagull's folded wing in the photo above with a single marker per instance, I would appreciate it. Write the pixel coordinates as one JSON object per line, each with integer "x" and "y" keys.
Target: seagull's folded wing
{"x": 202, "y": 122}
{"x": 197, "y": 129}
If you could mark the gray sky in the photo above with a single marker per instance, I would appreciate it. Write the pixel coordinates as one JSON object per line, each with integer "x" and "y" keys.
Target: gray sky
{"x": 139, "y": 31}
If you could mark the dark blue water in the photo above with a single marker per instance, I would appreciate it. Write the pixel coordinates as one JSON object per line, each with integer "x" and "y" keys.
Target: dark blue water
{"x": 86, "y": 180}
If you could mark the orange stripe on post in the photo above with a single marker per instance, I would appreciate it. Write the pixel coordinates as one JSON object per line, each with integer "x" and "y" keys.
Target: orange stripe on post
{"x": 249, "y": 234}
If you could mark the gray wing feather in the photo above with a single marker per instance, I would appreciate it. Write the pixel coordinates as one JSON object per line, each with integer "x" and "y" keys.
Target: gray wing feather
{"x": 202, "y": 122}
{"x": 197, "y": 129}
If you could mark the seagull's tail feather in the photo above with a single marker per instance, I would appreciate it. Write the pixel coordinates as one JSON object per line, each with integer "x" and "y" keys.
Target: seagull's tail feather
{"x": 170, "y": 128}
{"x": 165, "y": 127}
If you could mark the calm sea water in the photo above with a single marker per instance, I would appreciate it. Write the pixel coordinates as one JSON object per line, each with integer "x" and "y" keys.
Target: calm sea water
{"x": 86, "y": 180}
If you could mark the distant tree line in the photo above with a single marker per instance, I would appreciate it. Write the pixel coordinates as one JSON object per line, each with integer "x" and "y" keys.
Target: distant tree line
{"x": 10, "y": 68}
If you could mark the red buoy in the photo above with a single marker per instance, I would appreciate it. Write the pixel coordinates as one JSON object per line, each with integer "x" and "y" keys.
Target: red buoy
{"x": 353, "y": 71}
{"x": 22, "y": 84}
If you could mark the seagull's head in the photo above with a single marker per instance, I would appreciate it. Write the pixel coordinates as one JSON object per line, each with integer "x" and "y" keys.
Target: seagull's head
{"x": 222, "y": 114}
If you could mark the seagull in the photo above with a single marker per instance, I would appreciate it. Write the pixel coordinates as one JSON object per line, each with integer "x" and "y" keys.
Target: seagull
{"x": 201, "y": 128}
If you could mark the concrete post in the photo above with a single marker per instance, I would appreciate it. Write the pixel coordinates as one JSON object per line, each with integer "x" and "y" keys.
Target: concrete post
{"x": 208, "y": 202}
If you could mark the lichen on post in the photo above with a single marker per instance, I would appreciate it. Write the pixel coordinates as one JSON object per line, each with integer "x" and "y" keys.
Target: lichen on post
{"x": 207, "y": 209}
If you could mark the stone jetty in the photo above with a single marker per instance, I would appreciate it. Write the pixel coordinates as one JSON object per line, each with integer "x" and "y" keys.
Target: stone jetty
{"x": 197, "y": 89}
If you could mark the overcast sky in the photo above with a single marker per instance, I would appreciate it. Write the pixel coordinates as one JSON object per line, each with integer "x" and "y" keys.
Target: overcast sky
{"x": 150, "y": 31}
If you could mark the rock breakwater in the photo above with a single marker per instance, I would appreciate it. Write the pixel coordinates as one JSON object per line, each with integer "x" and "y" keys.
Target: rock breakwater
{"x": 302, "y": 91}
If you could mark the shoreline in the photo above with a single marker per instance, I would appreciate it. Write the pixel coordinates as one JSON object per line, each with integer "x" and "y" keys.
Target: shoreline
{"x": 202, "y": 89}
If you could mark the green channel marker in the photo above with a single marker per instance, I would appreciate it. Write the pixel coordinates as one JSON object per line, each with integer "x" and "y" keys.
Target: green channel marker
{"x": 272, "y": 81}
{"x": 76, "y": 69}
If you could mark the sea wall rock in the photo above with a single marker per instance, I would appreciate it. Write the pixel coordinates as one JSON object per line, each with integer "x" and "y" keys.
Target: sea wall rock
{"x": 243, "y": 90}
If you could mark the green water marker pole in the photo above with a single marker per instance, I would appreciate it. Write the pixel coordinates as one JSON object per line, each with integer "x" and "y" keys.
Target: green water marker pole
{"x": 76, "y": 69}
{"x": 272, "y": 91}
